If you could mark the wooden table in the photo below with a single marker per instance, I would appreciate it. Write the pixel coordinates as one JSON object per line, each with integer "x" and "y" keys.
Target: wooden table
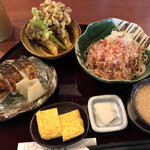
{"x": 71, "y": 74}
{"x": 83, "y": 11}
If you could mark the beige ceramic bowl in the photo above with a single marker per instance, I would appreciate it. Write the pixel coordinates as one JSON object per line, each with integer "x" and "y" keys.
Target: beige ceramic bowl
{"x": 73, "y": 30}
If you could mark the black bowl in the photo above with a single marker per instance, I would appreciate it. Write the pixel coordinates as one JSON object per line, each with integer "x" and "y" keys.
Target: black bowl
{"x": 132, "y": 112}
{"x": 62, "y": 107}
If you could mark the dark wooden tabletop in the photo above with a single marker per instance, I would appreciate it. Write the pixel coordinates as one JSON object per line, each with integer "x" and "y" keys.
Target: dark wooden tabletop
{"x": 71, "y": 74}
{"x": 83, "y": 11}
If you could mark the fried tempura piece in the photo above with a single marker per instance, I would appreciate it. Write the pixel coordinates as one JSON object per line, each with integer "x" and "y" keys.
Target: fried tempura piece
{"x": 51, "y": 19}
{"x": 65, "y": 39}
{"x": 51, "y": 46}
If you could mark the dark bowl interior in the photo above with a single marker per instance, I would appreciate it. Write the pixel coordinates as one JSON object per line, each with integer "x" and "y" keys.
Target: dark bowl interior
{"x": 62, "y": 107}
{"x": 133, "y": 113}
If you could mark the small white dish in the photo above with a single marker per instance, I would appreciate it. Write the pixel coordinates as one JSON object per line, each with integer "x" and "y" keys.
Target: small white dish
{"x": 116, "y": 103}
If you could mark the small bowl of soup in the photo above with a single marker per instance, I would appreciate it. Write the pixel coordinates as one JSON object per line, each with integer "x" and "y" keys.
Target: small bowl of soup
{"x": 139, "y": 105}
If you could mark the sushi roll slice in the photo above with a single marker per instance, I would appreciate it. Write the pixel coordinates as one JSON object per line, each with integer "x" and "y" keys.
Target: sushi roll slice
{"x": 11, "y": 76}
{"x": 4, "y": 88}
{"x": 26, "y": 68}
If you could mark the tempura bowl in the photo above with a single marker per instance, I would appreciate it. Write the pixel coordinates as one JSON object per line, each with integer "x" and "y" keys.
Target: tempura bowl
{"x": 133, "y": 113}
{"x": 73, "y": 30}
{"x": 101, "y": 29}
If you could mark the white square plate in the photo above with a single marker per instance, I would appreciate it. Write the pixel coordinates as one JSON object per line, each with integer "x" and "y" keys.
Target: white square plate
{"x": 117, "y": 104}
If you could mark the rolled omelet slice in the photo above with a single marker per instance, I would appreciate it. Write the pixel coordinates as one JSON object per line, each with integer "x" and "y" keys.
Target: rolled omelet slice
{"x": 49, "y": 125}
{"x": 72, "y": 125}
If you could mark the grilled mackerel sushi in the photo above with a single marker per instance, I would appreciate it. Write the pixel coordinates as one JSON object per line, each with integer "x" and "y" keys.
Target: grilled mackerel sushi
{"x": 11, "y": 76}
{"x": 26, "y": 68}
{"x": 4, "y": 89}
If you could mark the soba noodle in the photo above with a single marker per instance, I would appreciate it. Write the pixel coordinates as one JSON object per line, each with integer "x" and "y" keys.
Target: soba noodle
{"x": 117, "y": 57}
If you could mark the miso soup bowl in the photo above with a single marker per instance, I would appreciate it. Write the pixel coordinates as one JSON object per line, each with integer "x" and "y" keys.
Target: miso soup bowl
{"x": 132, "y": 111}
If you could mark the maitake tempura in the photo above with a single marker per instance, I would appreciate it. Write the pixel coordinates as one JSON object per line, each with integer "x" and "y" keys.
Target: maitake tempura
{"x": 48, "y": 26}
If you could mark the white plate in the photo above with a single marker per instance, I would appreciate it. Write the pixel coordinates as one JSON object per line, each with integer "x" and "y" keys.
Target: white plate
{"x": 117, "y": 104}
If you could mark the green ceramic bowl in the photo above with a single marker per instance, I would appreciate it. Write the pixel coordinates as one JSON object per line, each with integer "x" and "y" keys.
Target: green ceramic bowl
{"x": 99, "y": 30}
